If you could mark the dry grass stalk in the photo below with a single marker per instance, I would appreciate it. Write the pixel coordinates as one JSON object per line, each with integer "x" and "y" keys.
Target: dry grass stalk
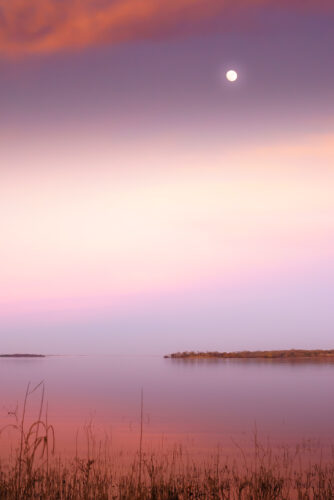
{"x": 174, "y": 475}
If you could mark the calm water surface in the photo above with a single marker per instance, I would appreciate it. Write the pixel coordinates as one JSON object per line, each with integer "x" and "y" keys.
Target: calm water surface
{"x": 201, "y": 403}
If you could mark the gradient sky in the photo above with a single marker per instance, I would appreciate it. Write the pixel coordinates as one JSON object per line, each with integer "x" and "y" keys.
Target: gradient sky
{"x": 148, "y": 205}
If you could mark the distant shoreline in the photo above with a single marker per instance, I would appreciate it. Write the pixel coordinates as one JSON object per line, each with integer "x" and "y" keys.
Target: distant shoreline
{"x": 282, "y": 354}
{"x": 22, "y": 356}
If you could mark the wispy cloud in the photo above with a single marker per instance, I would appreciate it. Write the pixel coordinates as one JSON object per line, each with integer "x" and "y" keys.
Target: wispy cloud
{"x": 44, "y": 26}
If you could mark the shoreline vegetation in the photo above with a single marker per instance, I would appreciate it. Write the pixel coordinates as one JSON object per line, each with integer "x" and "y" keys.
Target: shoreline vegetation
{"x": 281, "y": 354}
{"x": 22, "y": 356}
{"x": 33, "y": 470}
{"x": 168, "y": 476}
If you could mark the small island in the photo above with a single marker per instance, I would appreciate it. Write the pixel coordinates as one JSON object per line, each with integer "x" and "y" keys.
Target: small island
{"x": 22, "y": 356}
{"x": 283, "y": 354}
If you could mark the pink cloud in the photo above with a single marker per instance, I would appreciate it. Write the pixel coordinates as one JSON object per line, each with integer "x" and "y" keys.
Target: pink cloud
{"x": 45, "y": 26}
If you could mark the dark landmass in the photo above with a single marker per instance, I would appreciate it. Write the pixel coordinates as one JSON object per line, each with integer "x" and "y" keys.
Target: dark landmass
{"x": 22, "y": 356}
{"x": 284, "y": 354}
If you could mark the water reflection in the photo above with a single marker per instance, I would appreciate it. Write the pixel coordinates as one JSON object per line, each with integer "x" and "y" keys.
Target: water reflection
{"x": 201, "y": 402}
{"x": 274, "y": 361}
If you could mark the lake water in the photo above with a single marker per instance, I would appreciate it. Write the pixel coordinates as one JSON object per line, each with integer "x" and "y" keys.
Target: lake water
{"x": 200, "y": 404}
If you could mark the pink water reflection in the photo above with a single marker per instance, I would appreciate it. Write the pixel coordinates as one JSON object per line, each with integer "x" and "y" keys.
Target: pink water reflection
{"x": 199, "y": 404}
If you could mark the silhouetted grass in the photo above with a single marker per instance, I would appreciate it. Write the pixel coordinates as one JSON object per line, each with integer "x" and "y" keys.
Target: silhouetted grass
{"x": 34, "y": 472}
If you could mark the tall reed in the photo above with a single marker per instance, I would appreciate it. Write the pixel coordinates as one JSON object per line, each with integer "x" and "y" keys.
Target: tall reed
{"x": 36, "y": 472}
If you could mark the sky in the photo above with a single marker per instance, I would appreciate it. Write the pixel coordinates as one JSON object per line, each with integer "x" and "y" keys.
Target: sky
{"x": 148, "y": 205}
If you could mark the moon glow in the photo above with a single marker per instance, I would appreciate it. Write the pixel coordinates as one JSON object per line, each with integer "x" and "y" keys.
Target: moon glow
{"x": 231, "y": 75}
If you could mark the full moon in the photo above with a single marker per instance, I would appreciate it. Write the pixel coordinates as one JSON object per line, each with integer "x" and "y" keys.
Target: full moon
{"x": 231, "y": 75}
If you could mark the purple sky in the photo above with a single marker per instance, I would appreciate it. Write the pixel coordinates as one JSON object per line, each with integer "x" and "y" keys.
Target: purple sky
{"x": 147, "y": 204}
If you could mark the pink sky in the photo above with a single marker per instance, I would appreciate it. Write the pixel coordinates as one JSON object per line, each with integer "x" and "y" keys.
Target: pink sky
{"x": 86, "y": 240}
{"x": 141, "y": 192}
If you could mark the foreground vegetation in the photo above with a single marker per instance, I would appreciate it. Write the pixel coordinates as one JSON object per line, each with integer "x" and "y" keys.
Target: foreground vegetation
{"x": 172, "y": 476}
{"x": 283, "y": 354}
{"x": 32, "y": 471}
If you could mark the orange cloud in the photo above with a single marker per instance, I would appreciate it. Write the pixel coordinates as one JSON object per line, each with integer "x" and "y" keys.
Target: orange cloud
{"x": 44, "y": 26}
{"x": 37, "y": 26}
